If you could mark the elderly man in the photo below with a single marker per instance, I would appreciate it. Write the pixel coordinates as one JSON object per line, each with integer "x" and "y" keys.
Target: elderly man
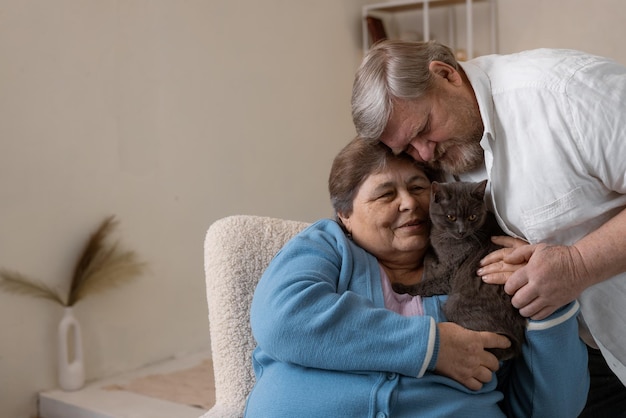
{"x": 548, "y": 129}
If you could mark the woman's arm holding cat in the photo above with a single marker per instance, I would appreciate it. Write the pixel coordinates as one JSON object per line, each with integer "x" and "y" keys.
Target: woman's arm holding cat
{"x": 550, "y": 378}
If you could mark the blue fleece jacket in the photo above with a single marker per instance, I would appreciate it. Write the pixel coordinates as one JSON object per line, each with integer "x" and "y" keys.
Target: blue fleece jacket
{"x": 327, "y": 347}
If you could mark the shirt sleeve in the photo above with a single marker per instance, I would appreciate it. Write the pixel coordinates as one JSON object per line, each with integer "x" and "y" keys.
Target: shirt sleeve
{"x": 550, "y": 378}
{"x": 597, "y": 93}
{"x": 319, "y": 304}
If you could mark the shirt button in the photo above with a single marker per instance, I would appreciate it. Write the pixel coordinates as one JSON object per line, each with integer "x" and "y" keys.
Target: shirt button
{"x": 391, "y": 376}
{"x": 381, "y": 415}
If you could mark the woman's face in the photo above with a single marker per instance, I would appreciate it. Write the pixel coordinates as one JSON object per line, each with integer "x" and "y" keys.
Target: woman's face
{"x": 390, "y": 213}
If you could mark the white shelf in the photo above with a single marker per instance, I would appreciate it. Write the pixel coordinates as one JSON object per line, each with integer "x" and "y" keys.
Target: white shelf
{"x": 424, "y": 6}
{"x": 97, "y": 400}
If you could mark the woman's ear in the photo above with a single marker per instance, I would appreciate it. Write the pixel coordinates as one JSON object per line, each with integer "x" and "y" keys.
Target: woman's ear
{"x": 445, "y": 71}
{"x": 345, "y": 220}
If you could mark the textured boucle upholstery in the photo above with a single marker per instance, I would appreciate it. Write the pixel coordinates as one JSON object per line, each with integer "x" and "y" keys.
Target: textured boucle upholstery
{"x": 237, "y": 249}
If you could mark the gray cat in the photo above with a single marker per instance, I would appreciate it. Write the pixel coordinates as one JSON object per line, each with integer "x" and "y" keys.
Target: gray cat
{"x": 460, "y": 237}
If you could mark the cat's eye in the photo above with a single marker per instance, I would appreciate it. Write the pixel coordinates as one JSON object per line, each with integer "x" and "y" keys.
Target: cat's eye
{"x": 451, "y": 218}
{"x": 472, "y": 218}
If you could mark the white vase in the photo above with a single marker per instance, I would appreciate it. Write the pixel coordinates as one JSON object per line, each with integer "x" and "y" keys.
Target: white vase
{"x": 71, "y": 363}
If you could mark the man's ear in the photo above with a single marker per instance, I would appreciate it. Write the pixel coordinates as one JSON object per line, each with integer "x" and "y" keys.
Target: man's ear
{"x": 445, "y": 71}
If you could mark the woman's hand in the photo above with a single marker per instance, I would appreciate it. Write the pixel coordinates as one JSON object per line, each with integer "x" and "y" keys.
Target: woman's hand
{"x": 462, "y": 354}
{"x": 498, "y": 266}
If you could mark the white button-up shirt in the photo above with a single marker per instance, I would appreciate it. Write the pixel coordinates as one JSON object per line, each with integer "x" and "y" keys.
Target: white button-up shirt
{"x": 555, "y": 156}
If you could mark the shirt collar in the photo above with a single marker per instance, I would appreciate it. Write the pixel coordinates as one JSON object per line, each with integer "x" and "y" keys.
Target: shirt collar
{"x": 482, "y": 89}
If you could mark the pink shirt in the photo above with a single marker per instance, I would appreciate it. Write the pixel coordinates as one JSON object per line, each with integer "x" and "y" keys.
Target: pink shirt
{"x": 404, "y": 304}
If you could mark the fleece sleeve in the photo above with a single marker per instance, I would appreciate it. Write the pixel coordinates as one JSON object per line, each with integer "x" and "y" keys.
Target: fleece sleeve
{"x": 319, "y": 304}
{"x": 550, "y": 379}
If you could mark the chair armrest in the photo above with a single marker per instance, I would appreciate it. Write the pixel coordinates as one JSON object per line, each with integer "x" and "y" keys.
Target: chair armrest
{"x": 237, "y": 251}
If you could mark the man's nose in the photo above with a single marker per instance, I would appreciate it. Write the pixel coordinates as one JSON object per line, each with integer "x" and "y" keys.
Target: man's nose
{"x": 424, "y": 148}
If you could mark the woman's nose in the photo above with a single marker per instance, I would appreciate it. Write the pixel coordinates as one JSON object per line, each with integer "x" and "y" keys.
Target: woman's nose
{"x": 407, "y": 201}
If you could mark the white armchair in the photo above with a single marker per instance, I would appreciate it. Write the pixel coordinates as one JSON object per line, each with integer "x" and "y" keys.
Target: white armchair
{"x": 237, "y": 249}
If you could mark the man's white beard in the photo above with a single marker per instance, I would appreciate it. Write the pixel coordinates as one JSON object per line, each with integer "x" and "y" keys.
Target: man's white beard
{"x": 456, "y": 156}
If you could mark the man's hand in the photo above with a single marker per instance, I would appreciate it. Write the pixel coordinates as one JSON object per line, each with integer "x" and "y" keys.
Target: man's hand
{"x": 552, "y": 277}
{"x": 462, "y": 354}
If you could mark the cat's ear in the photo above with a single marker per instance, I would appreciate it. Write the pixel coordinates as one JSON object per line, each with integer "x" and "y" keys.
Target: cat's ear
{"x": 479, "y": 190}
{"x": 435, "y": 191}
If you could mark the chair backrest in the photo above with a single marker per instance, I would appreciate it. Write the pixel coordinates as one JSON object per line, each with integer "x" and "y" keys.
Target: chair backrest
{"x": 237, "y": 249}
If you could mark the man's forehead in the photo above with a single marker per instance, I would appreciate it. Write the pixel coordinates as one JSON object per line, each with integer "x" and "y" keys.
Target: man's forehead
{"x": 405, "y": 113}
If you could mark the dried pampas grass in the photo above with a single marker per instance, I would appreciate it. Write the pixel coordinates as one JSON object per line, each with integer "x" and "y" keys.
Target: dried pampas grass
{"x": 101, "y": 266}
{"x": 14, "y": 282}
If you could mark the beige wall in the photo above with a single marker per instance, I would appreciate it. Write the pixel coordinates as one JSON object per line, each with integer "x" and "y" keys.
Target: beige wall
{"x": 593, "y": 26}
{"x": 172, "y": 114}
{"x": 169, "y": 114}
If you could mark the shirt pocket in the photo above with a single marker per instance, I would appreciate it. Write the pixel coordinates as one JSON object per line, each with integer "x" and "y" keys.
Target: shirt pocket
{"x": 543, "y": 222}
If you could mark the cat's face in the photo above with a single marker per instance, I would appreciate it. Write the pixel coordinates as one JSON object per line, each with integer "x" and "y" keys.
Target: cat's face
{"x": 458, "y": 209}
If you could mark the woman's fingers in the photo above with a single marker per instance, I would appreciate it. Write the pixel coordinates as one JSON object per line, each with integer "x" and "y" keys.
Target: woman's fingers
{"x": 508, "y": 242}
{"x": 497, "y": 266}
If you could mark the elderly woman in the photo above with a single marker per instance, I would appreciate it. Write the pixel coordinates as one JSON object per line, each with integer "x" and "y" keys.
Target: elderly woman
{"x": 334, "y": 340}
